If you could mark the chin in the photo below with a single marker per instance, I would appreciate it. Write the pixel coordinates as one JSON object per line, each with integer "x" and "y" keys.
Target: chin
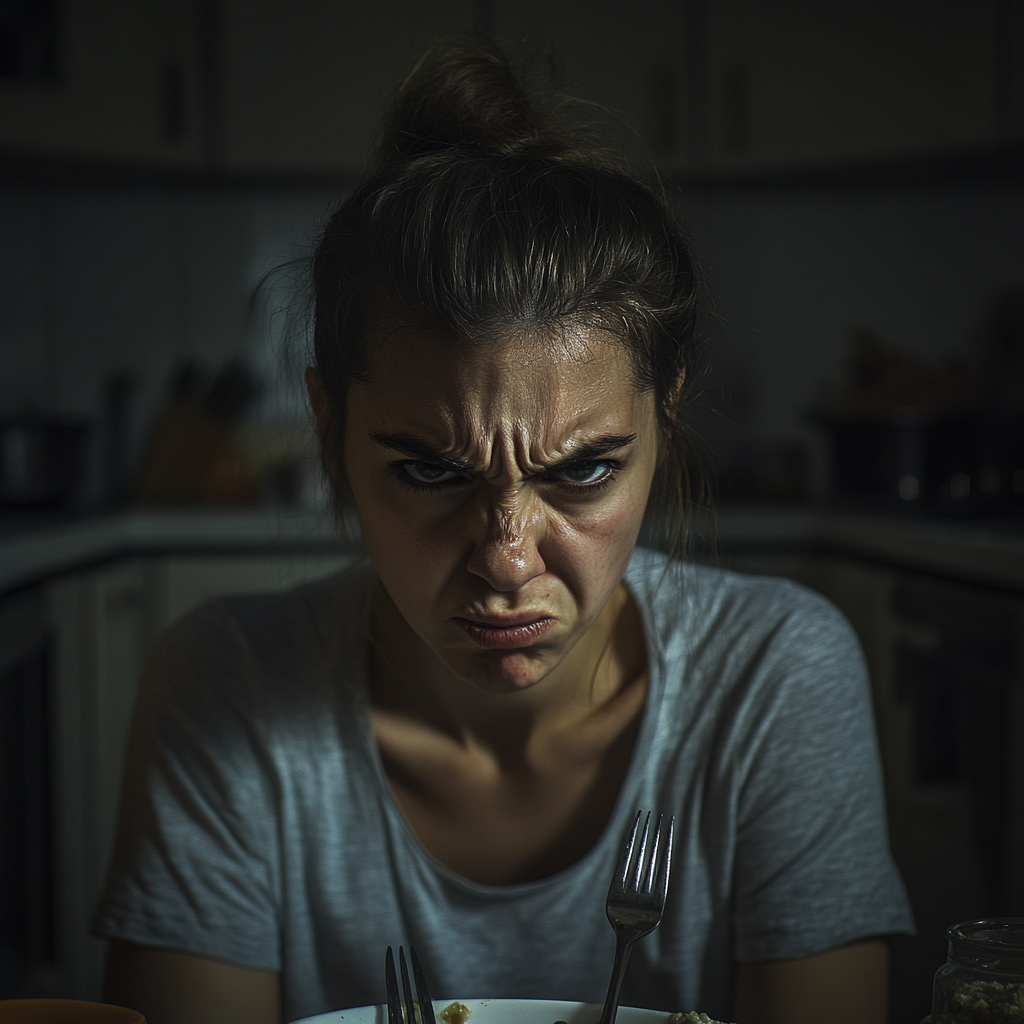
{"x": 502, "y": 671}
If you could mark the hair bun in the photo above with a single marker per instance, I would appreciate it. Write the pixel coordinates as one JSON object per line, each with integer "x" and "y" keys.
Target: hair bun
{"x": 463, "y": 93}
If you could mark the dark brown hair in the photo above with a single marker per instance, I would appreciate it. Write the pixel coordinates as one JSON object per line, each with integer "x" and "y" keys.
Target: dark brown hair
{"x": 490, "y": 209}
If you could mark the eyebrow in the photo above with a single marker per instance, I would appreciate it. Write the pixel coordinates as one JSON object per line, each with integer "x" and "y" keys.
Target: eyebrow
{"x": 417, "y": 448}
{"x": 598, "y": 447}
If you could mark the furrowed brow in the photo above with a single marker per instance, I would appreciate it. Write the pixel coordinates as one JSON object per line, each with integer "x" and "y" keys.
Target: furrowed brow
{"x": 417, "y": 448}
{"x": 594, "y": 449}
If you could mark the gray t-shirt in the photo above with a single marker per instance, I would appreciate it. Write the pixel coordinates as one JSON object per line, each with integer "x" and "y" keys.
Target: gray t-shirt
{"x": 258, "y": 827}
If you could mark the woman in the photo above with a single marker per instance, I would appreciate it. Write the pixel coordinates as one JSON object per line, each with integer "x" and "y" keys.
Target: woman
{"x": 446, "y": 745}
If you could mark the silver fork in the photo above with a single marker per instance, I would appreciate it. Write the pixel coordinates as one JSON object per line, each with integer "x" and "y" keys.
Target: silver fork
{"x": 636, "y": 898}
{"x": 397, "y": 1003}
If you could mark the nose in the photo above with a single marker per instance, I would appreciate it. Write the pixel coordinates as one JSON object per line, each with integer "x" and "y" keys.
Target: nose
{"x": 507, "y": 554}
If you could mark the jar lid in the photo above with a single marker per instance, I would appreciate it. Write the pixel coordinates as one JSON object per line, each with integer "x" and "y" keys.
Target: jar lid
{"x": 994, "y": 942}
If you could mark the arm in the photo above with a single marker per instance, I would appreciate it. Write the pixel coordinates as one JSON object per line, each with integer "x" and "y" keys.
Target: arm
{"x": 848, "y": 985}
{"x": 176, "y": 988}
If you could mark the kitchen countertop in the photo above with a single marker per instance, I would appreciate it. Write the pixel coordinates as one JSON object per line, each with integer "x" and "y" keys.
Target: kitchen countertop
{"x": 34, "y": 548}
{"x": 989, "y": 552}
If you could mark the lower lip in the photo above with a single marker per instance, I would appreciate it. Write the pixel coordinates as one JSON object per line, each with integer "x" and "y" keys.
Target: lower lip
{"x": 506, "y": 636}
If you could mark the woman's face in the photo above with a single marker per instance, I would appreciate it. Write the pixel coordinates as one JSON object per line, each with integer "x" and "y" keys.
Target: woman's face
{"x": 500, "y": 487}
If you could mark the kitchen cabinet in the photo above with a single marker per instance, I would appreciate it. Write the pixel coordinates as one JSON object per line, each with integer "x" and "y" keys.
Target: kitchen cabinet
{"x": 630, "y": 59}
{"x": 946, "y": 661}
{"x": 795, "y": 83}
{"x": 123, "y": 85}
{"x": 272, "y": 87}
{"x": 304, "y": 83}
{"x": 728, "y": 86}
{"x": 26, "y": 839}
{"x": 102, "y": 623}
{"x": 257, "y": 86}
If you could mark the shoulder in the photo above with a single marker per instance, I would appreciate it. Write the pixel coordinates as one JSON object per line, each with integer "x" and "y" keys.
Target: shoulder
{"x": 711, "y": 609}
{"x": 244, "y": 649}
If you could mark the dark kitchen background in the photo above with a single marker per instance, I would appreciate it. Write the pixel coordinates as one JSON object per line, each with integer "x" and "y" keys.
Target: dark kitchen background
{"x": 853, "y": 171}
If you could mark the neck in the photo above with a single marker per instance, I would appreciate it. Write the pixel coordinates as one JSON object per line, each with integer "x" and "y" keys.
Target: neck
{"x": 409, "y": 680}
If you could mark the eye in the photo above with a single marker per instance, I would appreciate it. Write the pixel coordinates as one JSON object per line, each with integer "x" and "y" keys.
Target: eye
{"x": 585, "y": 473}
{"x": 428, "y": 473}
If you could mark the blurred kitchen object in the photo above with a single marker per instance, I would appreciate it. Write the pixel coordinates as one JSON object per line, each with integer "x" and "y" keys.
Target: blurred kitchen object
{"x": 193, "y": 455}
{"x": 283, "y": 456}
{"x": 116, "y": 432}
{"x": 65, "y": 1011}
{"x": 42, "y": 462}
{"x": 772, "y": 471}
{"x": 999, "y": 342}
{"x": 903, "y": 433}
{"x": 884, "y": 381}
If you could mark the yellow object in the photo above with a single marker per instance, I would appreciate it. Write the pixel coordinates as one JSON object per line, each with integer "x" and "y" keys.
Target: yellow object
{"x": 65, "y": 1011}
{"x": 193, "y": 459}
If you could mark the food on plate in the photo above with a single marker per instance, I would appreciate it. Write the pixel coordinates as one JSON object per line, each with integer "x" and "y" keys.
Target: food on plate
{"x": 455, "y": 1013}
{"x": 693, "y": 1017}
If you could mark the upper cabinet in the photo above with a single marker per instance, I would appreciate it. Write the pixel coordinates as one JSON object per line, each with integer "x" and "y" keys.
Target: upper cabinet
{"x": 799, "y": 82}
{"x": 629, "y": 59}
{"x": 304, "y": 80}
{"x": 107, "y": 80}
{"x": 264, "y": 86}
{"x": 724, "y": 86}
{"x": 296, "y": 87}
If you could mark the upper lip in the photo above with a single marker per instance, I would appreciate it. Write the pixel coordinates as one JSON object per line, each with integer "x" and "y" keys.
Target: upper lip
{"x": 506, "y": 621}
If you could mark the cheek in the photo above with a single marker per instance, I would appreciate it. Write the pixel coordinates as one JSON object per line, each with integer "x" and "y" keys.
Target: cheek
{"x": 414, "y": 553}
{"x": 591, "y": 552}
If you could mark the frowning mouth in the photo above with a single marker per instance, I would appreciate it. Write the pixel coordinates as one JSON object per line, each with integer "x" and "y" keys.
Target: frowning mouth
{"x": 506, "y": 630}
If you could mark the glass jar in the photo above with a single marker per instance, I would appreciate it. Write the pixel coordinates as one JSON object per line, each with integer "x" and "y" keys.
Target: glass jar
{"x": 982, "y": 982}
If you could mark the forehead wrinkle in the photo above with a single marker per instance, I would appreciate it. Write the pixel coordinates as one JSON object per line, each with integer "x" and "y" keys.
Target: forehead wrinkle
{"x": 506, "y": 409}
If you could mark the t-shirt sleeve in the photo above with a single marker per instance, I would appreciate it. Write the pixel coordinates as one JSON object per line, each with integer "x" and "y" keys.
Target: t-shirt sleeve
{"x": 813, "y": 868}
{"x": 195, "y": 864}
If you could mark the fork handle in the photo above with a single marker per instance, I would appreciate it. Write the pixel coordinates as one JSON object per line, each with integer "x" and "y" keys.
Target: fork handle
{"x": 623, "y": 947}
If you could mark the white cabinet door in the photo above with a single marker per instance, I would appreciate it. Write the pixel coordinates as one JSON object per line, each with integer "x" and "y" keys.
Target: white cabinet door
{"x": 103, "y": 622}
{"x": 101, "y": 627}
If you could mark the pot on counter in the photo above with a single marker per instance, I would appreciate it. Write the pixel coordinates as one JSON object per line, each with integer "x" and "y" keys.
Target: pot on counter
{"x": 42, "y": 461}
{"x": 908, "y": 457}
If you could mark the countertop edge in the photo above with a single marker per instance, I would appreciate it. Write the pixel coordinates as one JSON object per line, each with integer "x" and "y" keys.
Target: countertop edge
{"x": 967, "y": 552}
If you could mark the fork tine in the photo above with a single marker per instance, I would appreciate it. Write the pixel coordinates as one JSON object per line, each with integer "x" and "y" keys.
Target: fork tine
{"x": 410, "y": 1003}
{"x": 641, "y": 856}
{"x": 391, "y": 984}
{"x": 665, "y": 861}
{"x": 653, "y": 860}
{"x": 622, "y": 872}
{"x": 422, "y": 992}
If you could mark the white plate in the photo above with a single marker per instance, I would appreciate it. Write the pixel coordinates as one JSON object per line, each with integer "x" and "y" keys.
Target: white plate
{"x": 502, "y": 1011}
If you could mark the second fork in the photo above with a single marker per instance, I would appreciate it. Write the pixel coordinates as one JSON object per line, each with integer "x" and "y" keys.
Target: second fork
{"x": 402, "y": 1009}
